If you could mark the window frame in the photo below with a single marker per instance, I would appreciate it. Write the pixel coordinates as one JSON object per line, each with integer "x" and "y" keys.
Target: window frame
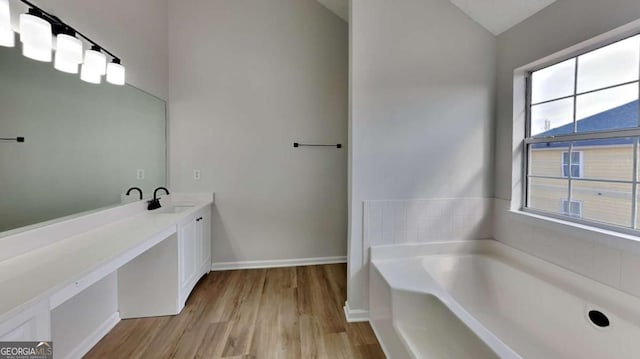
{"x": 529, "y": 140}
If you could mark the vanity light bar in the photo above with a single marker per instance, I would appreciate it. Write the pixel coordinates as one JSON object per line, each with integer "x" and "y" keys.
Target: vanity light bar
{"x": 37, "y": 29}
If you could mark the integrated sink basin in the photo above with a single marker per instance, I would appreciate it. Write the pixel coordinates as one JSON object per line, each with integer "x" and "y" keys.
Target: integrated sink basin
{"x": 172, "y": 209}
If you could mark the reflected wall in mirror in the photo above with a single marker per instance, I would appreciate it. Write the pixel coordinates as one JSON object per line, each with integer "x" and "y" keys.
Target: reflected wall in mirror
{"x": 85, "y": 144}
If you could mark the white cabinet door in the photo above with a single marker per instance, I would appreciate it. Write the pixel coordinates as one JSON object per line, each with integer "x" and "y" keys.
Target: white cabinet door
{"x": 194, "y": 237}
{"x": 204, "y": 239}
{"x": 32, "y": 324}
{"x": 188, "y": 256}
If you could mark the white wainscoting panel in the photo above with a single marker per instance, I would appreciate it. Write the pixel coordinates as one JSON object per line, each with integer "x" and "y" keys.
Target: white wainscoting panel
{"x": 425, "y": 220}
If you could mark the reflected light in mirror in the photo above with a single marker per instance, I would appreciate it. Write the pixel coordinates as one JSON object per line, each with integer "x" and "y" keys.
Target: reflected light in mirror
{"x": 87, "y": 74}
{"x": 35, "y": 35}
{"x": 115, "y": 73}
{"x": 95, "y": 61}
{"x": 68, "y": 54}
{"x": 7, "y": 38}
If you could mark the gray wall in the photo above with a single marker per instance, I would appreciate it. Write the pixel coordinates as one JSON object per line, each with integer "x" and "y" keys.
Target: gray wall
{"x": 605, "y": 256}
{"x": 422, "y": 92}
{"x": 247, "y": 79}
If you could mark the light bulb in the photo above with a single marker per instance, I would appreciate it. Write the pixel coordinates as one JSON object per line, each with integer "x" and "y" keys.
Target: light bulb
{"x": 36, "y": 53}
{"x": 68, "y": 54}
{"x": 7, "y": 38}
{"x": 35, "y": 35}
{"x": 88, "y": 74}
{"x": 115, "y": 73}
{"x": 95, "y": 61}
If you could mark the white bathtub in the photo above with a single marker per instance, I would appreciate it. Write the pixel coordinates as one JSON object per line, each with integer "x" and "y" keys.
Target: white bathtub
{"x": 483, "y": 299}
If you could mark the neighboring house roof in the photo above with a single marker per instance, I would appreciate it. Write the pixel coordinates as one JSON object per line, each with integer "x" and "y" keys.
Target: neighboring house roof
{"x": 624, "y": 116}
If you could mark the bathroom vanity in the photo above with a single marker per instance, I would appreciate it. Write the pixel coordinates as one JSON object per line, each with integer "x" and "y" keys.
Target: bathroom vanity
{"x": 157, "y": 256}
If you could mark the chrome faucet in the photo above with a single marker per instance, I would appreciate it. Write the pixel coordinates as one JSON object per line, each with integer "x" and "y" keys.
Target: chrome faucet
{"x": 155, "y": 202}
{"x": 135, "y": 189}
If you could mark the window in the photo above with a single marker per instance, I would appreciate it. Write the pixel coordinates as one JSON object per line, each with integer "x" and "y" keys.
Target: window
{"x": 573, "y": 162}
{"x": 571, "y": 208}
{"x": 582, "y": 137}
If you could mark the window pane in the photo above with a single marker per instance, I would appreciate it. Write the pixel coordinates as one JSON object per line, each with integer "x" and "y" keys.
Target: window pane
{"x": 572, "y": 208}
{"x": 575, "y": 171}
{"x": 610, "y": 159}
{"x": 553, "y": 82}
{"x": 547, "y": 194}
{"x": 546, "y": 159}
{"x": 637, "y": 174}
{"x": 610, "y": 109}
{"x": 610, "y": 65}
{"x": 565, "y": 164}
{"x": 637, "y": 213}
{"x": 552, "y": 118}
{"x": 576, "y": 157}
{"x": 604, "y": 202}
{"x": 575, "y": 209}
{"x": 574, "y": 167}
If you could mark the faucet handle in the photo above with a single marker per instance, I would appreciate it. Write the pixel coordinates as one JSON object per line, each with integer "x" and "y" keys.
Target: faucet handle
{"x": 153, "y": 204}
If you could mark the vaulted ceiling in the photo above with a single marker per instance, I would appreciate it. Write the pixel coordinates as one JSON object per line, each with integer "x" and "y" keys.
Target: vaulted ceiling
{"x": 496, "y": 16}
{"x": 339, "y": 7}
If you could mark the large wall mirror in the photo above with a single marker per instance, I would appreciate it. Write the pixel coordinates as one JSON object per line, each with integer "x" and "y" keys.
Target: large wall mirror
{"x": 85, "y": 144}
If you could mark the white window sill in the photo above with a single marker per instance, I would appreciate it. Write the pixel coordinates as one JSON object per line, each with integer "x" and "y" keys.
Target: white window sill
{"x": 612, "y": 238}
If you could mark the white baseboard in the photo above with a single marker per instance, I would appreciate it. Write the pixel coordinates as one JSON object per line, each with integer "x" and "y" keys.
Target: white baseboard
{"x": 222, "y": 266}
{"x": 355, "y": 315}
{"x": 93, "y": 338}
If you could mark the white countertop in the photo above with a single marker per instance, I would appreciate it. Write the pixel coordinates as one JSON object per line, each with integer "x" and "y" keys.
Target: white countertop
{"x": 31, "y": 277}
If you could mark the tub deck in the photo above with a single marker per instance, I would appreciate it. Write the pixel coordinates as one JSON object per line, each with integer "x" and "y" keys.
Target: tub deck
{"x": 495, "y": 301}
